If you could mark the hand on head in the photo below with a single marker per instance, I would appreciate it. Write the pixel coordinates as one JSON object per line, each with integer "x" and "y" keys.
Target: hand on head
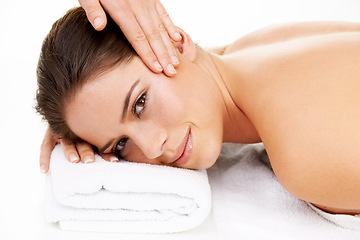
{"x": 146, "y": 25}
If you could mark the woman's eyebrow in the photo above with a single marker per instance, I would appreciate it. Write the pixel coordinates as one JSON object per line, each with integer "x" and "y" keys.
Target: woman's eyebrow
{"x": 127, "y": 100}
{"x": 125, "y": 110}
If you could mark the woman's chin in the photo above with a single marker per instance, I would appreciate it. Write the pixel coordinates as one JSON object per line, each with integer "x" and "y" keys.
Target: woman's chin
{"x": 207, "y": 160}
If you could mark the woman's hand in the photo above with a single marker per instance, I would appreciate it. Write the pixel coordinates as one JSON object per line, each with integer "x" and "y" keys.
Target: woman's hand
{"x": 146, "y": 25}
{"x": 74, "y": 152}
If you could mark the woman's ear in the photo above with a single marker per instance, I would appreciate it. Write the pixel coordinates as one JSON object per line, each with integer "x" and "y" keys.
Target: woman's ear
{"x": 186, "y": 46}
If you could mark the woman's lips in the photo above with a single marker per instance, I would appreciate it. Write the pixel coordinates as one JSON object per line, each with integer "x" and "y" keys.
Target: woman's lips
{"x": 186, "y": 150}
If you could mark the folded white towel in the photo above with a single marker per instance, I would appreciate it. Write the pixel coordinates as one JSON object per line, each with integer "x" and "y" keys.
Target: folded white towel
{"x": 125, "y": 197}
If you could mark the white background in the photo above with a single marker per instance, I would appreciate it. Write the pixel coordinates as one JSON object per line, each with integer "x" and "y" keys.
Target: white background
{"x": 24, "y": 24}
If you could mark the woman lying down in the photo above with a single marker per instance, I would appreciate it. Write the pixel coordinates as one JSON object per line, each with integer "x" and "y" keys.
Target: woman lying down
{"x": 293, "y": 87}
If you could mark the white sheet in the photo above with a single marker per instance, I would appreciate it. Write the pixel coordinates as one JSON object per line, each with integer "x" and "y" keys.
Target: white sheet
{"x": 250, "y": 203}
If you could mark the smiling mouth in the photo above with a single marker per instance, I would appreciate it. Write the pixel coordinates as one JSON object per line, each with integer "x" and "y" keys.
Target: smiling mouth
{"x": 186, "y": 149}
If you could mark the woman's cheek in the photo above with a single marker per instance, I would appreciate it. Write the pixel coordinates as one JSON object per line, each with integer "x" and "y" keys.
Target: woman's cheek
{"x": 134, "y": 154}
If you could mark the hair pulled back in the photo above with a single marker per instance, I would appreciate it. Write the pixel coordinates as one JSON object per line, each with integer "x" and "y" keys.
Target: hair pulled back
{"x": 71, "y": 53}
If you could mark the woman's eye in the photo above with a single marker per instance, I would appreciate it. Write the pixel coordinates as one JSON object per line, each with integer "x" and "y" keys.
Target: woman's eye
{"x": 120, "y": 146}
{"x": 140, "y": 105}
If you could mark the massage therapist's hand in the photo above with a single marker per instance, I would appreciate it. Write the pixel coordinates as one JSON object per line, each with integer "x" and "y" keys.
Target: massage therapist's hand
{"x": 146, "y": 25}
{"x": 74, "y": 152}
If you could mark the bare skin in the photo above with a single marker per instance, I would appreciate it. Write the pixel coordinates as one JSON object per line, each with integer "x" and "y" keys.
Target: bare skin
{"x": 299, "y": 85}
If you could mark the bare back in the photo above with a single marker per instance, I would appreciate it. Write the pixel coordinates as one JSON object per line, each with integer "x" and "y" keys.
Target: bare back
{"x": 300, "y": 86}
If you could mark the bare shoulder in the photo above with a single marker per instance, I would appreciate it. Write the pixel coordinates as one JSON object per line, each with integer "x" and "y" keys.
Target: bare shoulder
{"x": 288, "y": 31}
{"x": 303, "y": 96}
{"x": 313, "y": 111}
{"x": 218, "y": 50}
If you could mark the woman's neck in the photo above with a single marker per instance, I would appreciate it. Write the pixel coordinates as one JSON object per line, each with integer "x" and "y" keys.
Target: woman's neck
{"x": 237, "y": 126}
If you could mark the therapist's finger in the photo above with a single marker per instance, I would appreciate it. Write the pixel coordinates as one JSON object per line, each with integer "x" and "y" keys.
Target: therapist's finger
{"x": 95, "y": 13}
{"x": 167, "y": 41}
{"x": 167, "y": 22}
{"x": 153, "y": 33}
{"x": 129, "y": 25}
{"x": 86, "y": 152}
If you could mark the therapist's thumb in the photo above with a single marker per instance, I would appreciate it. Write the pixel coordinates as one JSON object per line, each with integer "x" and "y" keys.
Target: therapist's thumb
{"x": 95, "y": 13}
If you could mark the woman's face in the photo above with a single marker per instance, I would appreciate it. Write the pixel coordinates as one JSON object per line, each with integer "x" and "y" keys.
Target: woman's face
{"x": 150, "y": 118}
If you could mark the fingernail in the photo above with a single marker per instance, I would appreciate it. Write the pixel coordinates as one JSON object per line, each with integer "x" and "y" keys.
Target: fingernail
{"x": 43, "y": 169}
{"x": 114, "y": 159}
{"x": 158, "y": 66}
{"x": 177, "y": 35}
{"x": 98, "y": 22}
{"x": 88, "y": 159}
{"x": 174, "y": 60}
{"x": 73, "y": 158}
{"x": 171, "y": 69}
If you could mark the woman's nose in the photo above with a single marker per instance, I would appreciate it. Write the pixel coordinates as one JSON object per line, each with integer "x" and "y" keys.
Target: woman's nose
{"x": 150, "y": 138}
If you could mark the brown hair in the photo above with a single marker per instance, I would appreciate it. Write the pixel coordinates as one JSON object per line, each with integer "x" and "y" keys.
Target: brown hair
{"x": 71, "y": 53}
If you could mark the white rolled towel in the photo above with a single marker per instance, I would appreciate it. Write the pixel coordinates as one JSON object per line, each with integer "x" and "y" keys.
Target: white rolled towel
{"x": 125, "y": 197}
